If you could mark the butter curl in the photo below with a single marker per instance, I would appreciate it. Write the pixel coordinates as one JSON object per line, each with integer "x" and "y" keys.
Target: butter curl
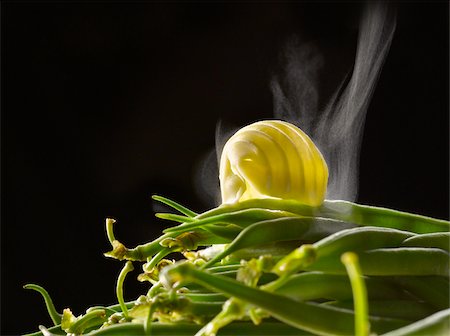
{"x": 272, "y": 159}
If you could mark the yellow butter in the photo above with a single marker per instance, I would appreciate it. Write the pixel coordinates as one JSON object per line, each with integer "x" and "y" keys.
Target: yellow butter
{"x": 272, "y": 159}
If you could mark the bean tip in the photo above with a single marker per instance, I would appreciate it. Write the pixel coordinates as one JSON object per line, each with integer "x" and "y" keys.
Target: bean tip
{"x": 349, "y": 258}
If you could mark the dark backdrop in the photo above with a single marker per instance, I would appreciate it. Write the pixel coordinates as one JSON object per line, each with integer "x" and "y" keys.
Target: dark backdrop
{"x": 105, "y": 104}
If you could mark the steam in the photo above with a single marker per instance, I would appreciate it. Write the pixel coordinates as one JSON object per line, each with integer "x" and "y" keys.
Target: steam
{"x": 337, "y": 130}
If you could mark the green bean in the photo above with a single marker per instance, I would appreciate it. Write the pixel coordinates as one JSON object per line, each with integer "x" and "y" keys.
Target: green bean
{"x": 402, "y": 309}
{"x": 263, "y": 203}
{"x": 228, "y": 232}
{"x": 116, "y": 308}
{"x": 432, "y": 289}
{"x": 350, "y": 261}
{"x": 268, "y": 231}
{"x": 277, "y": 250}
{"x": 223, "y": 268}
{"x": 328, "y": 250}
{"x": 393, "y": 261}
{"x": 180, "y": 208}
{"x": 345, "y": 211}
{"x": 406, "y": 261}
{"x": 241, "y": 218}
{"x": 157, "y": 258}
{"x": 54, "y": 315}
{"x": 306, "y": 316}
{"x": 187, "y": 329}
{"x": 265, "y": 232}
{"x": 174, "y": 218}
{"x": 359, "y": 239}
{"x": 55, "y": 330}
{"x": 376, "y": 216}
{"x": 439, "y": 240}
{"x": 318, "y": 285}
{"x": 119, "y": 287}
{"x": 437, "y": 324}
{"x": 205, "y": 309}
{"x": 205, "y": 297}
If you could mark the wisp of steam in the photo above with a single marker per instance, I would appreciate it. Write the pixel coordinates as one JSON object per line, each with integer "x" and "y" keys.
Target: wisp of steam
{"x": 337, "y": 129}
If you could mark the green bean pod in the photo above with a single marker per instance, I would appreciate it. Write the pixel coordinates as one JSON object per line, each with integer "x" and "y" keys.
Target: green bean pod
{"x": 293, "y": 228}
{"x": 402, "y": 309}
{"x": 393, "y": 261}
{"x": 432, "y": 289}
{"x": 189, "y": 329}
{"x": 359, "y": 239}
{"x": 314, "y": 318}
{"x": 437, "y": 324}
{"x": 345, "y": 211}
{"x": 438, "y": 239}
{"x": 241, "y": 218}
{"x": 318, "y": 285}
{"x": 327, "y": 252}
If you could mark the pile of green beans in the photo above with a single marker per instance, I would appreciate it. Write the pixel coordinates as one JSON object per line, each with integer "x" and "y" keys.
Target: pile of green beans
{"x": 278, "y": 267}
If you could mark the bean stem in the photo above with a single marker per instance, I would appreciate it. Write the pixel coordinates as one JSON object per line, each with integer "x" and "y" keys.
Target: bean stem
{"x": 54, "y": 315}
{"x": 119, "y": 288}
{"x": 362, "y": 327}
{"x": 109, "y": 229}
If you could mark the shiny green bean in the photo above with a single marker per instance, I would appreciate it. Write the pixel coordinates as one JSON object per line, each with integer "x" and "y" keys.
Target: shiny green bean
{"x": 359, "y": 239}
{"x": 293, "y": 228}
{"x": 327, "y": 252}
{"x": 180, "y": 208}
{"x": 188, "y": 329}
{"x": 438, "y": 239}
{"x": 54, "y": 315}
{"x": 313, "y": 318}
{"x": 393, "y": 261}
{"x": 402, "y": 309}
{"x": 437, "y": 324}
{"x": 241, "y": 218}
{"x": 345, "y": 211}
{"x": 318, "y": 285}
{"x": 55, "y": 330}
{"x": 432, "y": 289}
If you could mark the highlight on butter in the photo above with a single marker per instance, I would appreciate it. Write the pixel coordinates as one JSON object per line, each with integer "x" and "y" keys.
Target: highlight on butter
{"x": 272, "y": 159}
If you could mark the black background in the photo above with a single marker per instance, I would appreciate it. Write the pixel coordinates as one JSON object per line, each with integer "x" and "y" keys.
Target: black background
{"x": 104, "y": 104}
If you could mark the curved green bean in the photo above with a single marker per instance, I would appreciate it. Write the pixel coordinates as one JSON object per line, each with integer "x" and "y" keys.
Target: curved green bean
{"x": 345, "y": 211}
{"x": 54, "y": 315}
{"x": 188, "y": 329}
{"x": 437, "y": 324}
{"x": 438, "y": 239}
{"x": 241, "y": 218}
{"x": 55, "y": 330}
{"x": 393, "y": 261}
{"x": 268, "y": 231}
{"x": 432, "y": 289}
{"x": 327, "y": 251}
{"x": 180, "y": 208}
{"x": 313, "y": 318}
{"x": 307, "y": 286}
{"x": 359, "y": 239}
{"x": 402, "y": 309}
